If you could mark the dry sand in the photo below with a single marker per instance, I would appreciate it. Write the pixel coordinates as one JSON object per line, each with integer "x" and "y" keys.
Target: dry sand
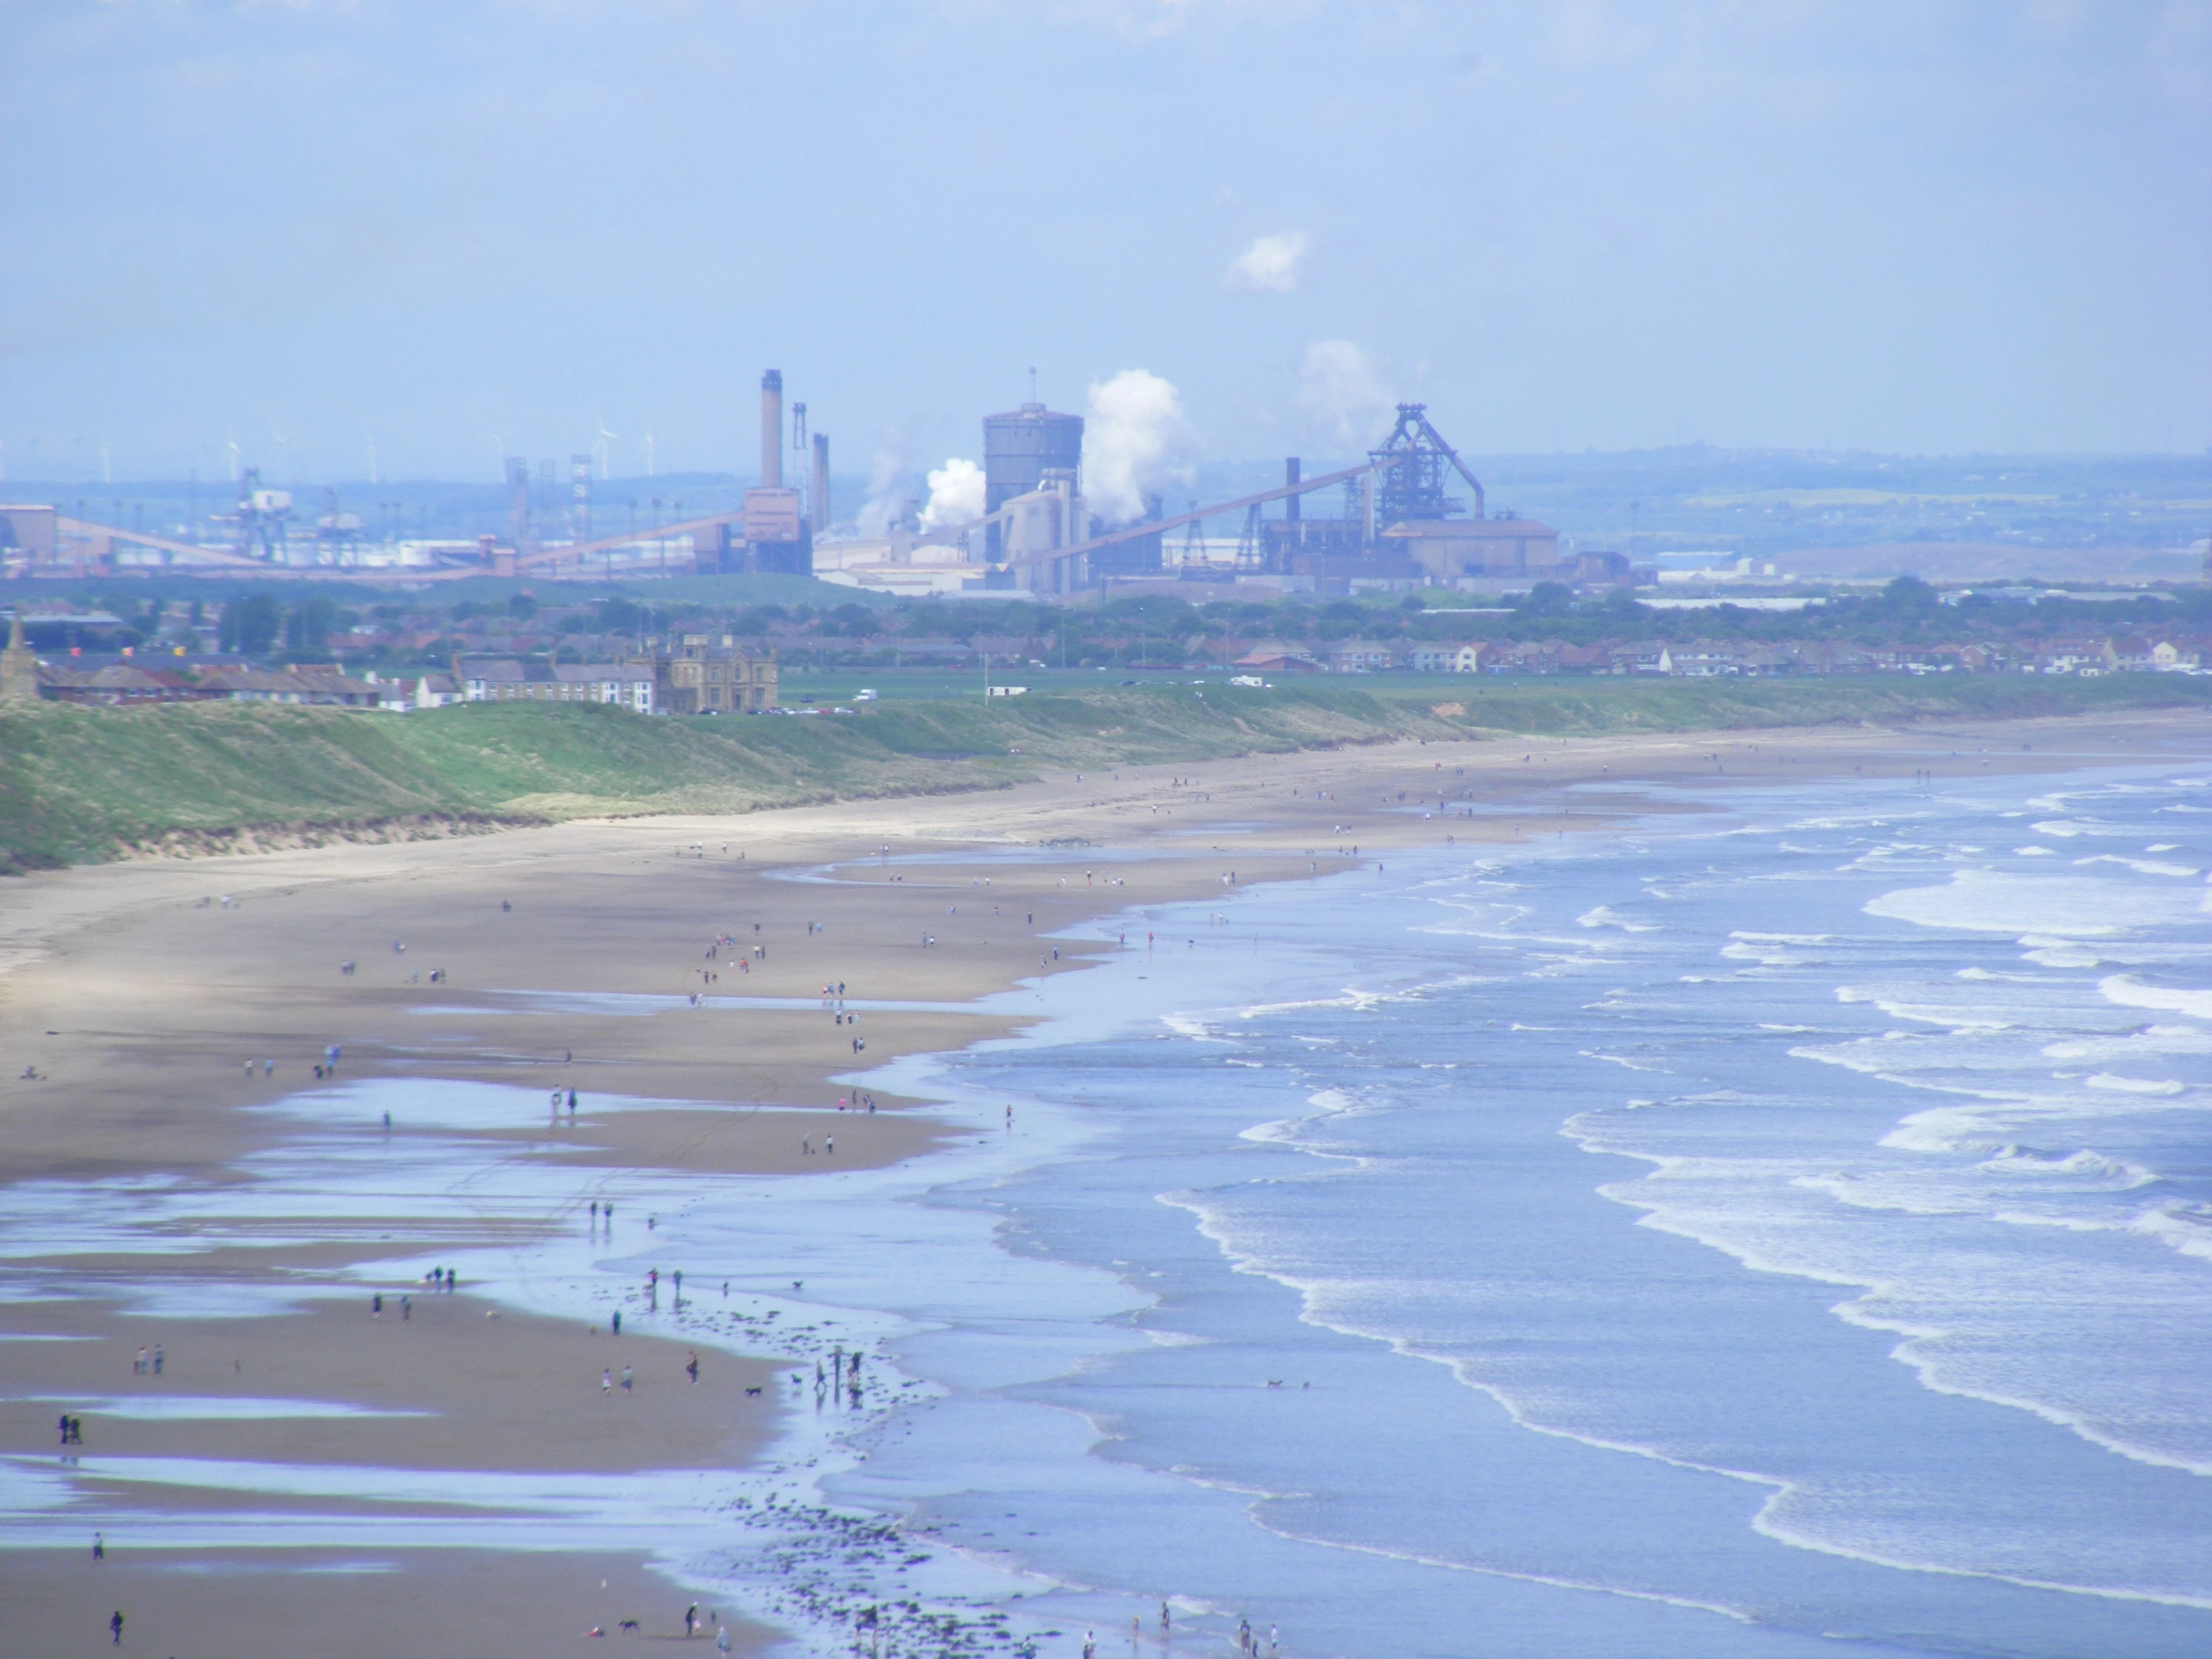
{"x": 137, "y": 995}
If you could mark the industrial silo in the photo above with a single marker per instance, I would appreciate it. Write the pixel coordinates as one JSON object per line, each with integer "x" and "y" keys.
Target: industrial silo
{"x": 1019, "y": 449}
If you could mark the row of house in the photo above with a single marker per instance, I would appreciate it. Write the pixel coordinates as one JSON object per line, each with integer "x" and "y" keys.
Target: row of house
{"x": 127, "y": 683}
{"x": 1711, "y": 659}
{"x": 693, "y": 675}
{"x": 696, "y": 677}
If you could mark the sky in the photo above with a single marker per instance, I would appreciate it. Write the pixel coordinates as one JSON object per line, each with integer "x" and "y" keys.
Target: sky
{"x": 456, "y": 230}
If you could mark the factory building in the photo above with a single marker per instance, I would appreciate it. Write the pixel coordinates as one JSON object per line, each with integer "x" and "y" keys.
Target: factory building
{"x": 1399, "y": 525}
{"x": 1446, "y": 550}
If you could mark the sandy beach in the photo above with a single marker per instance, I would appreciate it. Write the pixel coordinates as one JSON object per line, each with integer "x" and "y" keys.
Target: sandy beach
{"x": 158, "y": 1014}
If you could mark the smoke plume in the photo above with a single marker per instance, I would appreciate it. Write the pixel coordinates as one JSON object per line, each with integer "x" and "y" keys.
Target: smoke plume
{"x": 1135, "y": 442}
{"x": 1341, "y": 394}
{"x": 955, "y": 494}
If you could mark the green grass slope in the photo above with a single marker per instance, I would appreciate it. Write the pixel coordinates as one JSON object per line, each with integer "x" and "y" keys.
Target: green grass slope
{"x": 83, "y": 784}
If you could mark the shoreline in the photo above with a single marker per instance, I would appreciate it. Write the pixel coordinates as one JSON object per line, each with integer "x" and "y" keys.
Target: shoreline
{"x": 155, "y": 1007}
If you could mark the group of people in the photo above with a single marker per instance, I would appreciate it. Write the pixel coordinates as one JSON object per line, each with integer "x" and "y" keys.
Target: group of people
{"x": 146, "y": 1364}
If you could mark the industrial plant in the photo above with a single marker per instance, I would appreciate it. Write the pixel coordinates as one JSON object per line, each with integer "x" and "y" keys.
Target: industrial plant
{"x": 1393, "y": 521}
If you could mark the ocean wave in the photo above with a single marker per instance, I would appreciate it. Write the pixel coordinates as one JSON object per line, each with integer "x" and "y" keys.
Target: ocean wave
{"x": 1604, "y": 916}
{"x": 2136, "y": 1085}
{"x": 2119, "y": 1173}
{"x": 1617, "y": 1060}
{"x": 2152, "y": 1040}
{"x": 2131, "y": 992}
{"x": 2142, "y": 867}
{"x": 1924, "y": 1014}
{"x": 2186, "y": 1228}
{"x": 2064, "y": 906}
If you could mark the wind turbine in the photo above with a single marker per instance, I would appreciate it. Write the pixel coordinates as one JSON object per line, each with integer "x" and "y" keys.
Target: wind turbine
{"x": 231, "y": 449}
{"x": 606, "y": 455}
{"x": 648, "y": 453}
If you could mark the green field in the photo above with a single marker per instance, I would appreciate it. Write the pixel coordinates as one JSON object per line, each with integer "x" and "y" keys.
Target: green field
{"x": 80, "y": 784}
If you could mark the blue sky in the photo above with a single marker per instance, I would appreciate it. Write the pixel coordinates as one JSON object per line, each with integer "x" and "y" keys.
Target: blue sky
{"x": 1922, "y": 226}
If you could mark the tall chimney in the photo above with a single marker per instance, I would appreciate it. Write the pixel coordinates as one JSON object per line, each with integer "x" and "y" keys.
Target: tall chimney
{"x": 820, "y": 494}
{"x": 1290, "y": 477}
{"x": 772, "y": 429}
{"x": 518, "y": 502}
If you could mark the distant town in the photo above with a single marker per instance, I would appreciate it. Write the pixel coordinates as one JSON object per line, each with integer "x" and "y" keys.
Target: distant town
{"x": 699, "y": 657}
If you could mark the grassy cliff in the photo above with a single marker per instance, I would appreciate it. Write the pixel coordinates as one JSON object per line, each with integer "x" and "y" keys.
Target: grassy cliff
{"x": 83, "y": 784}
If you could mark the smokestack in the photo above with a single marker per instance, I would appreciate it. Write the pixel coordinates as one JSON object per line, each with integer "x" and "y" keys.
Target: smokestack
{"x": 518, "y": 501}
{"x": 820, "y": 494}
{"x": 772, "y": 429}
{"x": 1290, "y": 477}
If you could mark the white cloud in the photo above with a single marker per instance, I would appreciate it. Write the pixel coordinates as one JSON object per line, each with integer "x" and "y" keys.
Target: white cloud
{"x": 1270, "y": 265}
{"x": 1135, "y": 441}
{"x": 1341, "y": 393}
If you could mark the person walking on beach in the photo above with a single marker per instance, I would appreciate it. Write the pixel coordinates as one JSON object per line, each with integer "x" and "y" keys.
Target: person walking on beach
{"x": 617, "y": 1322}
{"x": 99, "y": 1547}
{"x": 691, "y": 1366}
{"x": 606, "y": 1381}
{"x": 626, "y": 1379}
{"x": 157, "y": 1359}
{"x": 115, "y": 1626}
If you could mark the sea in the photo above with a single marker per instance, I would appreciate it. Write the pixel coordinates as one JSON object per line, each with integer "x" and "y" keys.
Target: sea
{"x": 1776, "y": 1222}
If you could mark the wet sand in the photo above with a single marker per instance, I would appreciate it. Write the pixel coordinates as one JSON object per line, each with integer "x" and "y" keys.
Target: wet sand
{"x": 566, "y": 958}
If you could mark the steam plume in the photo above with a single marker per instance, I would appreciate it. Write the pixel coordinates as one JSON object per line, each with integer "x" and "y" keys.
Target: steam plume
{"x": 1135, "y": 441}
{"x": 955, "y": 494}
{"x": 882, "y": 504}
{"x": 1341, "y": 394}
